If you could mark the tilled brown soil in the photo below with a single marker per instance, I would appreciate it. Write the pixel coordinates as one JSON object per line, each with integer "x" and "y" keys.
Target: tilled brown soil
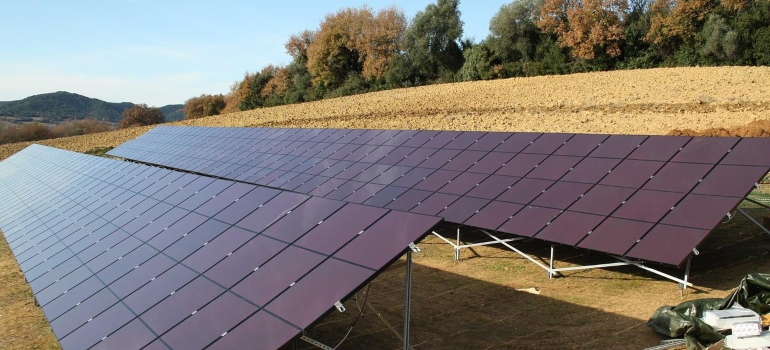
{"x": 474, "y": 303}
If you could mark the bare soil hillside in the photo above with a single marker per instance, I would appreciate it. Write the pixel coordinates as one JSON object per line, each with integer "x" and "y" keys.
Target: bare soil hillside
{"x": 475, "y": 303}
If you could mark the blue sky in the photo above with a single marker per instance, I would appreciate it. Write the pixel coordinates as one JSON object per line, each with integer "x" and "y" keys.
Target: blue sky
{"x": 164, "y": 52}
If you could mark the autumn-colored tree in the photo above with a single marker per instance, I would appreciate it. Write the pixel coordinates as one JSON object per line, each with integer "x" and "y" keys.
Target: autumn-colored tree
{"x": 204, "y": 106}
{"x": 297, "y": 45}
{"x": 34, "y": 131}
{"x": 140, "y": 115}
{"x": 238, "y": 92}
{"x": 278, "y": 84}
{"x": 674, "y": 22}
{"x": 585, "y": 26}
{"x": 352, "y": 41}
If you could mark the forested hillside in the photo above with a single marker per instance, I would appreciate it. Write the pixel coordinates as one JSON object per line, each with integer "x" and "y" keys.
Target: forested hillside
{"x": 357, "y": 50}
{"x": 60, "y": 106}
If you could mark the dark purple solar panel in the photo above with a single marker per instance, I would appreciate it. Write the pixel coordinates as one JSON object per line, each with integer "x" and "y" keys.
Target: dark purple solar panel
{"x": 660, "y": 148}
{"x": 591, "y": 170}
{"x": 276, "y": 275}
{"x": 730, "y": 180}
{"x": 529, "y": 221}
{"x": 561, "y": 195}
{"x": 699, "y": 211}
{"x": 608, "y": 170}
{"x": 521, "y": 164}
{"x": 463, "y": 208}
{"x": 134, "y": 245}
{"x": 580, "y": 145}
{"x": 525, "y": 190}
{"x": 329, "y": 236}
{"x": 615, "y": 236}
{"x": 554, "y": 167}
{"x": 745, "y": 152}
{"x": 678, "y": 177}
{"x": 391, "y": 235}
{"x": 602, "y": 200}
{"x": 493, "y": 186}
{"x": 493, "y": 215}
{"x": 463, "y": 183}
{"x": 631, "y": 173}
{"x": 517, "y": 142}
{"x": 668, "y": 244}
{"x": 547, "y": 143}
{"x": 648, "y": 206}
{"x": 491, "y": 162}
{"x": 570, "y": 227}
{"x": 707, "y": 150}
{"x": 489, "y": 141}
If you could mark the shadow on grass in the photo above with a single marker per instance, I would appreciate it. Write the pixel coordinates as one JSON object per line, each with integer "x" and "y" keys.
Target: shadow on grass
{"x": 734, "y": 249}
{"x": 451, "y": 311}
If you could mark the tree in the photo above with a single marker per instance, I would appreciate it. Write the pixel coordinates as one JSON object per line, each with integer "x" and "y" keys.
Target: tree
{"x": 140, "y": 115}
{"x": 351, "y": 41}
{"x": 80, "y": 127}
{"x": 676, "y": 22}
{"x": 477, "y": 64}
{"x": 513, "y": 32}
{"x": 204, "y": 106}
{"x": 431, "y": 44}
{"x": 585, "y": 26}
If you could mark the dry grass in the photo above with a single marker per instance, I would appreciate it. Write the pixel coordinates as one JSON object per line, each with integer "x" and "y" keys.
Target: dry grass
{"x": 473, "y": 303}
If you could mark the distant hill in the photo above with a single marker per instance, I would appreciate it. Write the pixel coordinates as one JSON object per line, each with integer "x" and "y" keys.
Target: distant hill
{"x": 60, "y": 106}
{"x": 173, "y": 112}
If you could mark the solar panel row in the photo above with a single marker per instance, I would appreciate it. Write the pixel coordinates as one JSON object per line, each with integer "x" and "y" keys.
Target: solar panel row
{"x": 653, "y": 198}
{"x": 122, "y": 255}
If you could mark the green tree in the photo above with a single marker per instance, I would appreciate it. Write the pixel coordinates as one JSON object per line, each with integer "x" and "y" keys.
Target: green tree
{"x": 140, "y": 115}
{"x": 513, "y": 32}
{"x": 477, "y": 64}
{"x": 431, "y": 45}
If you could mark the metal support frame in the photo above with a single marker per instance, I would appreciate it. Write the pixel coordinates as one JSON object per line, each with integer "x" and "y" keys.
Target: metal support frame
{"x": 457, "y": 246}
{"x": 407, "y": 309}
{"x": 553, "y": 272}
{"x": 754, "y": 221}
{"x": 407, "y": 306}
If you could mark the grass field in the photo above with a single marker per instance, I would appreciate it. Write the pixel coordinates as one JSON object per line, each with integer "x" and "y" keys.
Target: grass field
{"x": 474, "y": 303}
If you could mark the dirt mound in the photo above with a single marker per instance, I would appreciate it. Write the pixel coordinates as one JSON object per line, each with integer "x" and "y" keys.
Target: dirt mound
{"x": 757, "y": 128}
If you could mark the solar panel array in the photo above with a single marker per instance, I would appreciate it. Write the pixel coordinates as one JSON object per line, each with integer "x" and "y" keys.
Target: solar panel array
{"x": 123, "y": 255}
{"x": 653, "y": 198}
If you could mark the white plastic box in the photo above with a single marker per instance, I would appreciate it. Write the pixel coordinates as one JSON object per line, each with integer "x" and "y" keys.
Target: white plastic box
{"x": 725, "y": 319}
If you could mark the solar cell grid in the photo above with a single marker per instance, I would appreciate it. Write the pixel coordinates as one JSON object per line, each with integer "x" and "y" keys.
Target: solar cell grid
{"x": 169, "y": 265}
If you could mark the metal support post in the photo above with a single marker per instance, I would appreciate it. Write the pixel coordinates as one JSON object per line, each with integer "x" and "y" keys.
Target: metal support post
{"x": 407, "y": 306}
{"x": 755, "y": 222}
{"x": 550, "y": 270}
{"x": 457, "y": 247}
{"x": 686, "y": 274}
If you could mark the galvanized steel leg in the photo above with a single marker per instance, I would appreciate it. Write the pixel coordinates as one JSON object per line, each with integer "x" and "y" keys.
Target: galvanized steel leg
{"x": 755, "y": 222}
{"x": 457, "y": 247}
{"x": 550, "y": 271}
{"x": 407, "y": 306}
{"x": 686, "y": 274}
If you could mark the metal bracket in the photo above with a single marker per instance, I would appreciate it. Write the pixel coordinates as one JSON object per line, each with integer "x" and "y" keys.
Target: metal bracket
{"x": 695, "y": 251}
{"x": 756, "y": 185}
{"x": 315, "y": 343}
{"x": 729, "y": 216}
{"x": 414, "y": 247}
{"x": 339, "y": 306}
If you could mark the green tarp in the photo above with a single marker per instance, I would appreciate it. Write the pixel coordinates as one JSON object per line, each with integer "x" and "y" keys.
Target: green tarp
{"x": 684, "y": 319}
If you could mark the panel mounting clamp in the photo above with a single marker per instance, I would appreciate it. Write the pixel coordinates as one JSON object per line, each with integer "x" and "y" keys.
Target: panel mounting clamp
{"x": 414, "y": 247}
{"x": 339, "y": 306}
